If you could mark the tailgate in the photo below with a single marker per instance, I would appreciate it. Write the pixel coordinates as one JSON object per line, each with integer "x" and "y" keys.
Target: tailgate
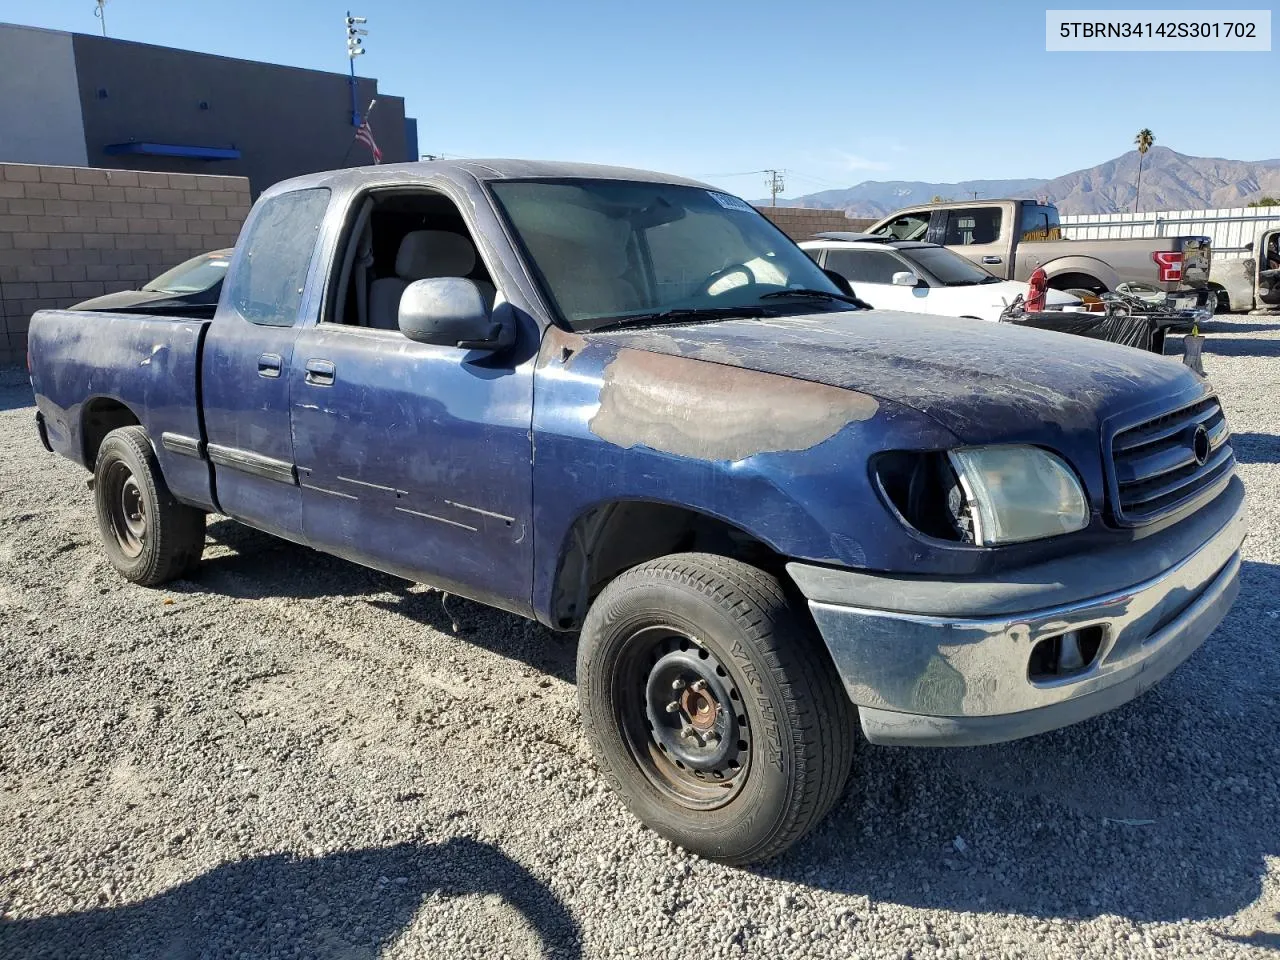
{"x": 94, "y": 370}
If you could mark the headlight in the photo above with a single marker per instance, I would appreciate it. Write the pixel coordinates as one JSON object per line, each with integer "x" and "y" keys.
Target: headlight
{"x": 1019, "y": 493}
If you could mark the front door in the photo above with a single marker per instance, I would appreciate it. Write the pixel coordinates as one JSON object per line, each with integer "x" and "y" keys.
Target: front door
{"x": 980, "y": 234}
{"x": 246, "y": 359}
{"x": 417, "y": 459}
{"x": 871, "y": 272}
{"x": 1269, "y": 269}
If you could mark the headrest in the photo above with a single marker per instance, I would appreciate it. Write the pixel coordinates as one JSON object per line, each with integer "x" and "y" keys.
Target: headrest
{"x": 434, "y": 253}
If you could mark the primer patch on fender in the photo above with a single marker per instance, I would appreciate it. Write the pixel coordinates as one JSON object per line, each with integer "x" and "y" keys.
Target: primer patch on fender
{"x": 709, "y": 411}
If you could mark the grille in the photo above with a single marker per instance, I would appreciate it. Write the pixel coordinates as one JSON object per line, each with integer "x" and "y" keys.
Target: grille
{"x": 1155, "y": 463}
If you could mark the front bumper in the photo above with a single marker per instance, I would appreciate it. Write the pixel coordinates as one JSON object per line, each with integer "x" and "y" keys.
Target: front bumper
{"x": 946, "y": 663}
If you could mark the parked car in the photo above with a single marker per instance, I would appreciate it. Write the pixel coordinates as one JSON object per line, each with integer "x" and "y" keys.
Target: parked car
{"x": 1012, "y": 238}
{"x": 921, "y": 277}
{"x": 193, "y": 286}
{"x": 628, "y": 405}
{"x": 1252, "y": 281}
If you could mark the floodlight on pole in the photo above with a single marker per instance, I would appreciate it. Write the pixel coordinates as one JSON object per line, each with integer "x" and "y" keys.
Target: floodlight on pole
{"x": 355, "y": 48}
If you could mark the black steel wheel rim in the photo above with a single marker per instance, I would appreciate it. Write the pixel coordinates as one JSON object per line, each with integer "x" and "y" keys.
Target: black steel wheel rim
{"x": 682, "y": 717}
{"x": 126, "y": 509}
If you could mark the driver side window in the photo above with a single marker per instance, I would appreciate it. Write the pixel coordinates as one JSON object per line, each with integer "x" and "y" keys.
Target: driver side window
{"x": 864, "y": 266}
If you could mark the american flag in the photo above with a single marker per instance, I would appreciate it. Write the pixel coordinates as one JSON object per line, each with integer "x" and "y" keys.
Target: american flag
{"x": 365, "y": 135}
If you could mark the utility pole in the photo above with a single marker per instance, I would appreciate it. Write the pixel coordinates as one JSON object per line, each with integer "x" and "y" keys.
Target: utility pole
{"x": 355, "y": 48}
{"x": 775, "y": 184}
{"x": 975, "y": 194}
{"x": 101, "y": 14}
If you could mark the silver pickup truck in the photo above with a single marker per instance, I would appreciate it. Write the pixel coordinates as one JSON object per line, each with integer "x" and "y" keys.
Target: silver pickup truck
{"x": 1012, "y": 238}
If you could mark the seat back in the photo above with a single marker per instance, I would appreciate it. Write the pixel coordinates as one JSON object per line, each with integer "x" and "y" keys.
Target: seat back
{"x": 423, "y": 254}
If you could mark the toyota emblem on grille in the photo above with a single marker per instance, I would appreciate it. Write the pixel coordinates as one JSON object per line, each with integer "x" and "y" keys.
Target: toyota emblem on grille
{"x": 1200, "y": 444}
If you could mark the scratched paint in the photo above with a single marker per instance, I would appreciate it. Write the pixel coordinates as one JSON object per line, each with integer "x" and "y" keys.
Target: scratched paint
{"x": 711, "y": 411}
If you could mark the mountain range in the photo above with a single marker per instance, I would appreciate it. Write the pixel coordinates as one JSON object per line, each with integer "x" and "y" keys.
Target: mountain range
{"x": 1170, "y": 181}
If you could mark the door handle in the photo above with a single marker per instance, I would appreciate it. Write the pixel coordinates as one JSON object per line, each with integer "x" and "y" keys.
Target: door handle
{"x": 320, "y": 373}
{"x": 269, "y": 365}
{"x": 992, "y": 260}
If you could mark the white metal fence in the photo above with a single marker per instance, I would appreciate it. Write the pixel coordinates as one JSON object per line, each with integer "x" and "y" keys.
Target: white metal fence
{"x": 1229, "y": 229}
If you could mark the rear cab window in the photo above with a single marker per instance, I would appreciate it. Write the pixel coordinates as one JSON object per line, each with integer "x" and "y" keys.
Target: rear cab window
{"x": 1039, "y": 222}
{"x": 267, "y": 284}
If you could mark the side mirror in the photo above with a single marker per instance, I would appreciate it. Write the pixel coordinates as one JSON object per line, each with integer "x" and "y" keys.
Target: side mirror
{"x": 451, "y": 312}
{"x": 905, "y": 278}
{"x": 842, "y": 284}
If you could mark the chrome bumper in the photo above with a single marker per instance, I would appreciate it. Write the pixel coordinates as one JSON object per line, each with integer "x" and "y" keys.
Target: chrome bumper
{"x": 930, "y": 679}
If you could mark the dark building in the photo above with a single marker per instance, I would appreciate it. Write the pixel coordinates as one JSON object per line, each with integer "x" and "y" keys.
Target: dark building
{"x": 82, "y": 100}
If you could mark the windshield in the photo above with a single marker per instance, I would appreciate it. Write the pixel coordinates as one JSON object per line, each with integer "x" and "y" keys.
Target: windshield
{"x": 611, "y": 249}
{"x": 950, "y": 269}
{"x": 192, "y": 276}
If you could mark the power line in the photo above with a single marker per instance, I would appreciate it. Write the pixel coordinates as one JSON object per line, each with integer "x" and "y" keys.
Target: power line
{"x": 712, "y": 176}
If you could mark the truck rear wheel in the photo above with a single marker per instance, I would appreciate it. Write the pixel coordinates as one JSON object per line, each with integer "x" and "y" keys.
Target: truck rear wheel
{"x": 712, "y": 706}
{"x": 150, "y": 537}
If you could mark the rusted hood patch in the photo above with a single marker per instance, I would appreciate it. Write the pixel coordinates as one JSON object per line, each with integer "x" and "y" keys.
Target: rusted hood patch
{"x": 709, "y": 411}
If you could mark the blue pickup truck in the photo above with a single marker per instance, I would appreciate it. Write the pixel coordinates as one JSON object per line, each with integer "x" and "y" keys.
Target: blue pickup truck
{"x": 625, "y": 404}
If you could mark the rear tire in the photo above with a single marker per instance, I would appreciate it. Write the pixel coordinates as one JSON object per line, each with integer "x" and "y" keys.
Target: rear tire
{"x": 760, "y": 744}
{"x": 149, "y": 537}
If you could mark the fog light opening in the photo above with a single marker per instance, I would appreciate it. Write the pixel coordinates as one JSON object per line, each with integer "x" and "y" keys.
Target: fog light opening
{"x": 1064, "y": 655}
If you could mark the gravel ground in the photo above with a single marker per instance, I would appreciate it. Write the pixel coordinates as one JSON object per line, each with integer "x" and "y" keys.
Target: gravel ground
{"x": 294, "y": 756}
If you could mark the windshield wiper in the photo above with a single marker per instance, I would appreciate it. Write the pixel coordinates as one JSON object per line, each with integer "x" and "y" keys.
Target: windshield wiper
{"x": 679, "y": 315}
{"x": 809, "y": 294}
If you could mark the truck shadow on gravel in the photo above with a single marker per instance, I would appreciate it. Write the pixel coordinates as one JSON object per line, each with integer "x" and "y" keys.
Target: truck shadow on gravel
{"x": 1237, "y": 347}
{"x": 345, "y": 905}
{"x": 261, "y": 565}
{"x": 1256, "y": 447}
{"x": 1165, "y": 809}
{"x": 15, "y": 396}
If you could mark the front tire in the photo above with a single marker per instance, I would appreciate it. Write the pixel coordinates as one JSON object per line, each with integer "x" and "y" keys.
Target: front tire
{"x": 150, "y": 538}
{"x": 712, "y": 706}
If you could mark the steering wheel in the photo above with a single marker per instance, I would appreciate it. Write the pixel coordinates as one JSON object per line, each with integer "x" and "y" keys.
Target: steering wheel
{"x": 711, "y": 281}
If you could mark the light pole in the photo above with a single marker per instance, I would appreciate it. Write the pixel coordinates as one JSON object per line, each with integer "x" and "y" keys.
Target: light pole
{"x": 101, "y": 13}
{"x": 355, "y": 48}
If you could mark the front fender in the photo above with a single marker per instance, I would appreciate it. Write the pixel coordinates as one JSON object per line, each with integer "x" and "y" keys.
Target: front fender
{"x": 784, "y": 460}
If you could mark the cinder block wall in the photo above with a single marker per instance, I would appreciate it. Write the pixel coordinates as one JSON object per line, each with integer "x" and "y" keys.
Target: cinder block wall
{"x": 71, "y": 233}
{"x": 801, "y": 223}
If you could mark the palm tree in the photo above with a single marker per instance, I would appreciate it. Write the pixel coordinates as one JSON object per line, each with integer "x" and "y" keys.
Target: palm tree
{"x": 1143, "y": 140}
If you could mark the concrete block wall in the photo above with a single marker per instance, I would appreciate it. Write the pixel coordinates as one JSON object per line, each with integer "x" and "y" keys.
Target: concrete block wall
{"x": 71, "y": 233}
{"x": 801, "y": 223}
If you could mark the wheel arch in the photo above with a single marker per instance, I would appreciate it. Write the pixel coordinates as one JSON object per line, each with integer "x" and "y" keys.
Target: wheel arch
{"x": 613, "y": 536}
{"x": 98, "y": 417}
{"x": 1085, "y": 272}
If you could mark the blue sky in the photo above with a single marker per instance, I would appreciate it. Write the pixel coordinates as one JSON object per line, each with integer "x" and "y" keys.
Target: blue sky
{"x": 833, "y": 92}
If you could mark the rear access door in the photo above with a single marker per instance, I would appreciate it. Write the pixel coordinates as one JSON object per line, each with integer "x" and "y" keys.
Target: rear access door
{"x": 245, "y": 363}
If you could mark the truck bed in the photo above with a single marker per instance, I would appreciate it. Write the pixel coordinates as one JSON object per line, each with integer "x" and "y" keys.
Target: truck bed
{"x": 92, "y": 368}
{"x": 1130, "y": 258}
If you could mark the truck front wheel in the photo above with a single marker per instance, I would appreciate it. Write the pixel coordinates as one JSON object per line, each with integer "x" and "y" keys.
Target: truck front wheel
{"x": 712, "y": 706}
{"x": 150, "y": 537}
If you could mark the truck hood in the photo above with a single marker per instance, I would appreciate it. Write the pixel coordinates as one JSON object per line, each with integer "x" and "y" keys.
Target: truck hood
{"x": 985, "y": 382}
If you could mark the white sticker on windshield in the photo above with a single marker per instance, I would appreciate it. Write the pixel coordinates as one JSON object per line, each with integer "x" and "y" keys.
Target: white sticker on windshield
{"x": 730, "y": 203}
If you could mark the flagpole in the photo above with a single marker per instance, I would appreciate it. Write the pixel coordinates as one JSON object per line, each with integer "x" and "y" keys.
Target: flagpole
{"x": 355, "y": 111}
